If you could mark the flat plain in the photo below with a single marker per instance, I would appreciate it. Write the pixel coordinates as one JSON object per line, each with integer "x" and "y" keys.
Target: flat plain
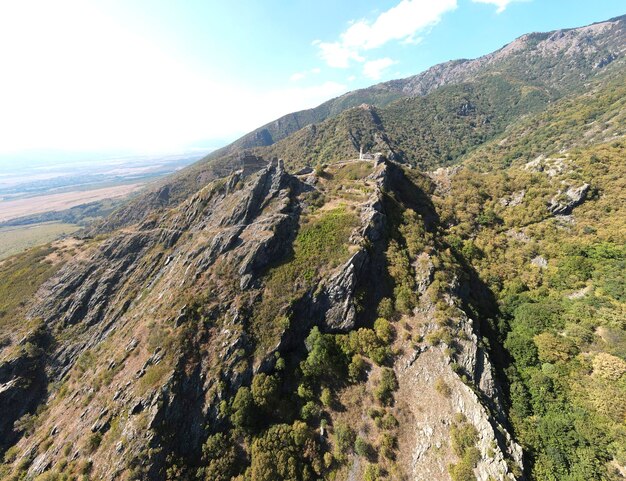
{"x": 13, "y": 209}
{"x": 14, "y": 240}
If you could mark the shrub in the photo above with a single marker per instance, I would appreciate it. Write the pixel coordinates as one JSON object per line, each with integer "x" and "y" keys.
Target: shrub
{"x": 219, "y": 458}
{"x": 553, "y": 348}
{"x": 380, "y": 355}
{"x": 310, "y": 410}
{"x": 362, "y": 447}
{"x": 305, "y": 392}
{"x": 356, "y": 368}
{"x": 324, "y": 358}
{"x": 442, "y": 335}
{"x": 405, "y": 299}
{"x": 385, "y": 308}
{"x": 326, "y": 397}
{"x": 608, "y": 367}
{"x": 383, "y": 330}
{"x": 344, "y": 438}
{"x": 372, "y": 473}
{"x": 283, "y": 452}
{"x": 461, "y": 472}
{"x": 93, "y": 442}
{"x": 243, "y": 408}
{"x": 464, "y": 438}
{"x": 442, "y": 388}
{"x": 388, "y": 445}
{"x": 265, "y": 391}
{"x": 389, "y": 421}
{"x": 387, "y": 385}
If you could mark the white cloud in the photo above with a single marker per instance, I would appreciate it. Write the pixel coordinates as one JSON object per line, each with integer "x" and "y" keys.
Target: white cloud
{"x": 501, "y": 4}
{"x": 351, "y": 78}
{"x": 302, "y": 75}
{"x": 374, "y": 68}
{"x": 297, "y": 76}
{"x": 336, "y": 55}
{"x": 400, "y": 23}
{"x": 78, "y": 80}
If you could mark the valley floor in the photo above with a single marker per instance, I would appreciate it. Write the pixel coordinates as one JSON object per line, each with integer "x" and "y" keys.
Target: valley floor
{"x": 14, "y": 240}
{"x": 14, "y": 209}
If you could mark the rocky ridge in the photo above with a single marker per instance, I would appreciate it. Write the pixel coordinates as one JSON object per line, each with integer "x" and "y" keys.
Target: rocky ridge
{"x": 168, "y": 302}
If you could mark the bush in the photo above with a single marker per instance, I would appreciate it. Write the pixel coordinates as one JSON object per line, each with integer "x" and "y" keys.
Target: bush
{"x": 405, "y": 299}
{"x": 356, "y": 368}
{"x": 284, "y": 452}
{"x": 461, "y": 472}
{"x": 608, "y": 367}
{"x": 383, "y": 330}
{"x": 265, "y": 391}
{"x": 93, "y": 442}
{"x": 326, "y": 397}
{"x": 372, "y": 473}
{"x": 389, "y": 422}
{"x": 388, "y": 445}
{"x": 243, "y": 408}
{"x": 442, "y": 335}
{"x": 324, "y": 358}
{"x": 464, "y": 438}
{"x": 305, "y": 392}
{"x": 362, "y": 447}
{"x": 365, "y": 342}
{"x": 553, "y": 348}
{"x": 385, "y": 308}
{"x": 310, "y": 410}
{"x": 386, "y": 387}
{"x": 219, "y": 459}
{"x": 344, "y": 438}
{"x": 442, "y": 388}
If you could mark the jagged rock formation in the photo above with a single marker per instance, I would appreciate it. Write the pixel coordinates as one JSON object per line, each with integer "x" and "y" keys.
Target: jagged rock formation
{"x": 196, "y": 273}
{"x": 572, "y": 197}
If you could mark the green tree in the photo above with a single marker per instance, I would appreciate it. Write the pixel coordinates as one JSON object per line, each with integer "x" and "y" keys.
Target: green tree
{"x": 265, "y": 391}
{"x": 243, "y": 408}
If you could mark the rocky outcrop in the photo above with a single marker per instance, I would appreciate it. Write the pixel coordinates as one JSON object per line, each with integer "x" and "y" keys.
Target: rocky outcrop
{"x": 22, "y": 386}
{"x": 564, "y": 202}
{"x": 437, "y": 387}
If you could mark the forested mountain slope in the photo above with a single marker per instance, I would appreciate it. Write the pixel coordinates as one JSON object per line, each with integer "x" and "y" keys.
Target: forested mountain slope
{"x": 539, "y": 67}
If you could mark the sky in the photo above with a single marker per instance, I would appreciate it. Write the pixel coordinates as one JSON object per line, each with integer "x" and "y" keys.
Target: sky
{"x": 85, "y": 77}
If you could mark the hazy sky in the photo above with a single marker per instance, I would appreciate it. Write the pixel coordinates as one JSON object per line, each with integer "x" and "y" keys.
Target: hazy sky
{"x": 153, "y": 75}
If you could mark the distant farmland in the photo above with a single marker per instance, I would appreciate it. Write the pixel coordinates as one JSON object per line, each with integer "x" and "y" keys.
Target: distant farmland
{"x": 14, "y": 209}
{"x": 14, "y": 240}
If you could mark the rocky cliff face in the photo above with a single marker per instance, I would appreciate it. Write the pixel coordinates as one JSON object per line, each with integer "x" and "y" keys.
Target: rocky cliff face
{"x": 155, "y": 326}
{"x": 572, "y": 55}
